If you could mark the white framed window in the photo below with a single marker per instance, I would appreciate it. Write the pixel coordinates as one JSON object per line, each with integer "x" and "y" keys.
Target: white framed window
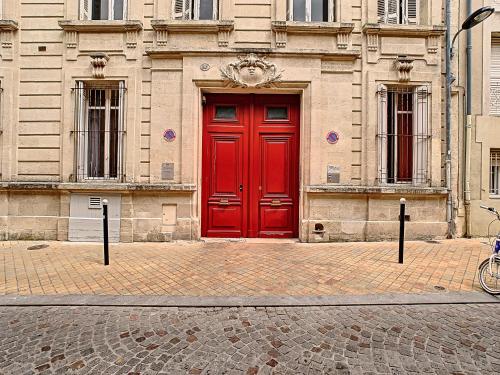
{"x": 311, "y": 10}
{"x": 103, "y": 9}
{"x": 398, "y": 12}
{"x": 403, "y": 134}
{"x": 99, "y": 125}
{"x": 195, "y": 9}
{"x": 494, "y": 172}
{"x": 495, "y": 78}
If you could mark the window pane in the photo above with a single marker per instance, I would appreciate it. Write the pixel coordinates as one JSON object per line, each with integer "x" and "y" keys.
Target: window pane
{"x": 299, "y": 10}
{"x": 100, "y": 9}
{"x": 113, "y": 144}
{"x": 319, "y": 10}
{"x": 206, "y": 9}
{"x": 225, "y": 112}
{"x": 118, "y": 10}
{"x": 277, "y": 113}
{"x": 95, "y": 143}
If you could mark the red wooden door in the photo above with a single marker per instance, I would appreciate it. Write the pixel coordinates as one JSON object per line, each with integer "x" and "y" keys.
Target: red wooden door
{"x": 250, "y": 166}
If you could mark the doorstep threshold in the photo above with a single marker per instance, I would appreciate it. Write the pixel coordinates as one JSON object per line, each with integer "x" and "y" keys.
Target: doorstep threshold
{"x": 249, "y": 240}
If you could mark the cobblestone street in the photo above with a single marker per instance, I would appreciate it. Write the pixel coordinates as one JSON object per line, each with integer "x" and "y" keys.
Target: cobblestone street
{"x": 441, "y": 339}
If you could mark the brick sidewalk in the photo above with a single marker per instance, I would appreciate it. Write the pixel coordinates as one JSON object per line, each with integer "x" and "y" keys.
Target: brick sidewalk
{"x": 239, "y": 268}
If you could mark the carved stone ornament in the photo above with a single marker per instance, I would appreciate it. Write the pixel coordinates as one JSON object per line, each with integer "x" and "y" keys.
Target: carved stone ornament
{"x": 404, "y": 67}
{"x": 98, "y": 61}
{"x": 251, "y": 71}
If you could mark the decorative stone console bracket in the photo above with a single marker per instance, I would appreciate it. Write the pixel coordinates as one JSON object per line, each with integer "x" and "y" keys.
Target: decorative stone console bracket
{"x": 404, "y": 66}
{"x": 98, "y": 61}
{"x": 7, "y": 29}
{"x": 342, "y": 30}
{"x": 162, "y": 28}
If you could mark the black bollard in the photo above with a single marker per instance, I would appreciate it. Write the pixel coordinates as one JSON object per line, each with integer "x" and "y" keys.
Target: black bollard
{"x": 105, "y": 231}
{"x": 402, "y": 204}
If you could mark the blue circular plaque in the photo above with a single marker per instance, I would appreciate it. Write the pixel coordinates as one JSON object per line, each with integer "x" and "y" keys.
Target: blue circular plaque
{"x": 169, "y": 135}
{"x": 332, "y": 137}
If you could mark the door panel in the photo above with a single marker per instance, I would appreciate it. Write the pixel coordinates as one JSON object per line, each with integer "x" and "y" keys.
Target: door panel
{"x": 250, "y": 166}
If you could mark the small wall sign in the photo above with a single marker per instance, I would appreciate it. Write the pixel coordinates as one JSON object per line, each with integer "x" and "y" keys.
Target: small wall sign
{"x": 169, "y": 135}
{"x": 332, "y": 137}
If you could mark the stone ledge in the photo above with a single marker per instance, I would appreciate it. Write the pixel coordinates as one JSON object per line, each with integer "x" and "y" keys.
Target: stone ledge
{"x": 8, "y": 25}
{"x": 348, "y": 55}
{"x": 404, "y": 30}
{"x": 101, "y": 26}
{"x": 112, "y": 186}
{"x": 294, "y": 27}
{"x": 192, "y": 26}
{"x": 345, "y": 189}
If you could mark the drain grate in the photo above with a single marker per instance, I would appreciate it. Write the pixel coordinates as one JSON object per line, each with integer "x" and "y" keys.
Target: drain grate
{"x": 433, "y": 241}
{"x": 38, "y": 247}
{"x": 440, "y": 288}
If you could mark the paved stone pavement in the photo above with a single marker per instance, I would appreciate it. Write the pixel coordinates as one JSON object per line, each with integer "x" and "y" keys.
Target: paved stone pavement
{"x": 227, "y": 268}
{"x": 434, "y": 339}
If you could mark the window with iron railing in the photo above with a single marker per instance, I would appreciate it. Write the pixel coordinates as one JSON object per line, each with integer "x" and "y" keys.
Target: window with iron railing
{"x": 495, "y": 172}
{"x": 311, "y": 10}
{"x": 398, "y": 12}
{"x": 103, "y": 9}
{"x": 195, "y": 9}
{"x": 403, "y": 135}
{"x": 99, "y": 129}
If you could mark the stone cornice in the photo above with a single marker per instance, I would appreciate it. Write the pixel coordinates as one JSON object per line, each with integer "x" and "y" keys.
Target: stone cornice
{"x": 347, "y": 189}
{"x": 294, "y": 27}
{"x": 97, "y": 186}
{"x": 8, "y": 25}
{"x": 404, "y": 30}
{"x": 100, "y": 26}
{"x": 348, "y": 55}
{"x": 192, "y": 26}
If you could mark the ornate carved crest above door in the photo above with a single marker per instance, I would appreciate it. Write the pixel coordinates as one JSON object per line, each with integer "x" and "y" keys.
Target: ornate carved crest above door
{"x": 251, "y": 71}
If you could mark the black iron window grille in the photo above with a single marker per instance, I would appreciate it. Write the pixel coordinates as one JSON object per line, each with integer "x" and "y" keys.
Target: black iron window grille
{"x": 495, "y": 172}
{"x": 99, "y": 129}
{"x": 403, "y": 135}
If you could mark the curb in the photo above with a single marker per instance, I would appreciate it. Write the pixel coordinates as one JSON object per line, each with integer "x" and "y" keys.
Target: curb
{"x": 267, "y": 301}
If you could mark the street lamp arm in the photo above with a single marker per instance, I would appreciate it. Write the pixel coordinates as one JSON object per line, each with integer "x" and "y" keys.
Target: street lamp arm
{"x": 452, "y": 51}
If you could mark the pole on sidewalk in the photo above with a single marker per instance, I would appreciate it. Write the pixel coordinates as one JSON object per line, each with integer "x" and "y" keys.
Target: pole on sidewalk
{"x": 402, "y": 204}
{"x": 105, "y": 231}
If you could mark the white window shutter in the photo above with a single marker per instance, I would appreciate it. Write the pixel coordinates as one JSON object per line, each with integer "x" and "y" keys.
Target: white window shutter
{"x": 382, "y": 11}
{"x": 216, "y": 9}
{"x": 84, "y": 9}
{"x": 421, "y": 135}
{"x": 289, "y": 10}
{"x": 80, "y": 118}
{"x": 382, "y": 133}
{"x": 180, "y": 9}
{"x": 495, "y": 79}
{"x": 411, "y": 12}
{"x": 392, "y": 15}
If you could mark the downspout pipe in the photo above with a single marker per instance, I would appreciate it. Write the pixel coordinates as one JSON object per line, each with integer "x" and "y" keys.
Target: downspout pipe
{"x": 468, "y": 128}
{"x": 449, "y": 81}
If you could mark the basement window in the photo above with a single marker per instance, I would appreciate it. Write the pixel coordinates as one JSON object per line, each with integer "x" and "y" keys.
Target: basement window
{"x": 495, "y": 172}
{"x": 403, "y": 135}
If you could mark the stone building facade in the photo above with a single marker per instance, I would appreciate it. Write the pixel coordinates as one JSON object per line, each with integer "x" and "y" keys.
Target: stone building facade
{"x": 239, "y": 118}
{"x": 484, "y": 140}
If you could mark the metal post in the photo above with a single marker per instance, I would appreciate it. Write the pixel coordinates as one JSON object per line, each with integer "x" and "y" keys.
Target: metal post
{"x": 402, "y": 204}
{"x": 105, "y": 231}
{"x": 468, "y": 127}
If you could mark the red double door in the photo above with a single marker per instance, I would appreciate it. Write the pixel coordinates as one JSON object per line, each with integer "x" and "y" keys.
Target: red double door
{"x": 250, "y": 181}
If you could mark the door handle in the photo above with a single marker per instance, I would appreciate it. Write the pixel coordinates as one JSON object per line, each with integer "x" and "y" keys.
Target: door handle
{"x": 241, "y": 187}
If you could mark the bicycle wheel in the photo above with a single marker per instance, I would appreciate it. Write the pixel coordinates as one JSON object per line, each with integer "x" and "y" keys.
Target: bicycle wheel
{"x": 490, "y": 283}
